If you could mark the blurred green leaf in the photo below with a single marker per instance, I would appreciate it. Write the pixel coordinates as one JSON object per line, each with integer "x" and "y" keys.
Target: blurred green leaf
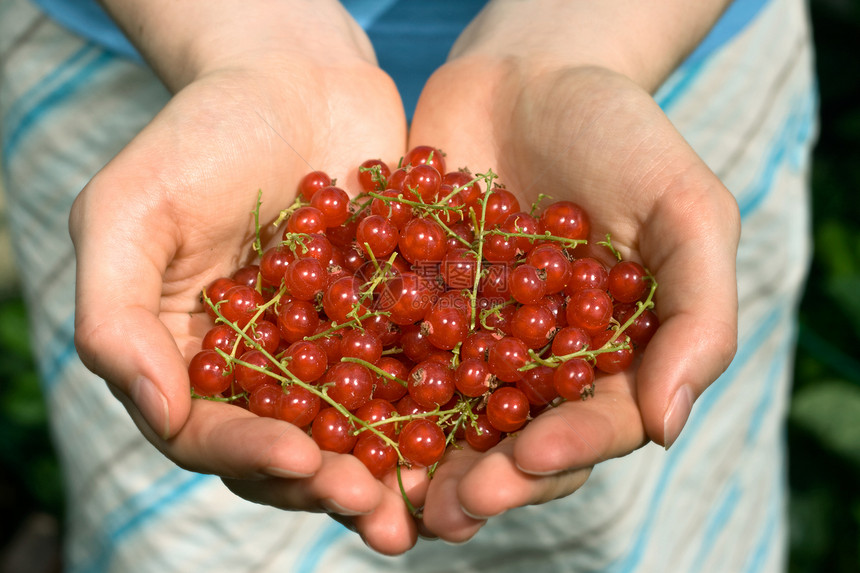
{"x": 846, "y": 290}
{"x": 830, "y": 411}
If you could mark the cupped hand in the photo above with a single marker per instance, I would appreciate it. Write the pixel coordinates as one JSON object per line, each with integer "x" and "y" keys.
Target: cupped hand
{"x": 594, "y": 137}
{"x": 173, "y": 211}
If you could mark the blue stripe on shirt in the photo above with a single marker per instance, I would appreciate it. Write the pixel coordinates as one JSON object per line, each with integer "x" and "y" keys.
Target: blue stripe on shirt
{"x": 53, "y": 99}
{"x": 747, "y": 348}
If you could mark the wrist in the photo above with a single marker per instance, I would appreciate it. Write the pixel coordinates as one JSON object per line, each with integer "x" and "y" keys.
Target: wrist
{"x": 183, "y": 41}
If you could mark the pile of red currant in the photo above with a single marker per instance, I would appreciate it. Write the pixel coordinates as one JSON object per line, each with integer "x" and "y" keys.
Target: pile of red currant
{"x": 428, "y": 311}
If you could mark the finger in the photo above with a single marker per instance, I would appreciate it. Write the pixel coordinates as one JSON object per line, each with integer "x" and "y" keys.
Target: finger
{"x": 118, "y": 333}
{"x": 391, "y": 528}
{"x": 443, "y": 514}
{"x": 229, "y": 441}
{"x": 342, "y": 485}
{"x": 580, "y": 434}
{"x": 495, "y": 484}
{"x": 690, "y": 244}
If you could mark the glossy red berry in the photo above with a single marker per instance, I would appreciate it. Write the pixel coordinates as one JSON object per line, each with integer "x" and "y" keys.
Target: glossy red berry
{"x": 377, "y": 235}
{"x": 373, "y": 175}
{"x": 313, "y": 182}
{"x": 507, "y": 409}
{"x": 333, "y": 432}
{"x": 333, "y": 202}
{"x": 306, "y": 360}
{"x": 297, "y": 406}
{"x": 422, "y": 442}
{"x": 209, "y": 373}
{"x": 351, "y": 384}
{"x": 431, "y": 384}
{"x": 506, "y": 358}
{"x": 574, "y": 379}
{"x": 565, "y": 219}
{"x": 481, "y": 434}
{"x": 627, "y": 281}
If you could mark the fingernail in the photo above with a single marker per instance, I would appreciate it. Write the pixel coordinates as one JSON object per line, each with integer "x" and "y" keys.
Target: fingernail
{"x": 152, "y": 404}
{"x": 273, "y": 471}
{"x": 537, "y": 473}
{"x": 331, "y": 505}
{"x": 676, "y": 416}
{"x": 473, "y": 516}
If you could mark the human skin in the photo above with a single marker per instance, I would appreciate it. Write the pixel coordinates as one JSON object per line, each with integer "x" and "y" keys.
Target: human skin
{"x": 265, "y": 92}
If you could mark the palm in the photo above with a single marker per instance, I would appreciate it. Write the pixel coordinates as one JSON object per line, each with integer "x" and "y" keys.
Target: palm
{"x": 594, "y": 138}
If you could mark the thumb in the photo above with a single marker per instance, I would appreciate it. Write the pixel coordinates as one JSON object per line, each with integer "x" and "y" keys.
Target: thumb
{"x": 119, "y": 334}
{"x": 694, "y": 264}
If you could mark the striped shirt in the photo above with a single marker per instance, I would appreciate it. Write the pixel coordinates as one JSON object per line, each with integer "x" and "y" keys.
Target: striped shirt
{"x": 715, "y": 502}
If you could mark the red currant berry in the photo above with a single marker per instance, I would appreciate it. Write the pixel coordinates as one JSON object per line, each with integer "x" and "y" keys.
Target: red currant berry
{"x": 422, "y": 442}
{"x": 222, "y": 337}
{"x": 407, "y": 298}
{"x": 387, "y": 388}
{"x": 398, "y": 213}
{"x": 306, "y": 220}
{"x": 481, "y": 435}
{"x": 297, "y": 406}
{"x": 313, "y": 182}
{"x": 377, "y": 235}
{"x": 266, "y": 334}
{"x": 612, "y": 362}
{"x": 256, "y": 370}
{"x": 473, "y": 377}
{"x": 565, "y": 219}
{"x": 422, "y": 240}
{"x": 445, "y": 326}
{"x": 377, "y": 456}
{"x": 500, "y": 204}
{"x": 459, "y": 267}
{"x": 305, "y": 278}
{"x": 274, "y": 263}
{"x": 361, "y": 344}
{"x": 627, "y": 281}
{"x": 533, "y": 324}
{"x": 586, "y": 272}
{"x": 376, "y": 412}
{"x": 306, "y": 360}
{"x": 209, "y": 373}
{"x": 465, "y": 182}
{"x": 263, "y": 400}
{"x": 528, "y": 284}
{"x": 422, "y": 183}
{"x": 643, "y": 326}
{"x": 589, "y": 309}
{"x": 333, "y": 202}
{"x": 297, "y": 319}
{"x": 341, "y": 297}
{"x": 351, "y": 384}
{"x": 574, "y": 379}
{"x": 477, "y": 345}
{"x": 247, "y": 275}
{"x": 507, "y": 356}
{"x": 552, "y": 260}
{"x": 521, "y": 224}
{"x": 425, "y": 155}
{"x": 240, "y": 304}
{"x": 373, "y": 175}
{"x": 537, "y": 385}
{"x": 507, "y": 409}
{"x": 332, "y": 431}
{"x": 431, "y": 384}
{"x": 499, "y": 248}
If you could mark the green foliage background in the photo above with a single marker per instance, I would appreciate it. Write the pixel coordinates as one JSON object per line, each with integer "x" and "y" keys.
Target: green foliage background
{"x": 824, "y": 424}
